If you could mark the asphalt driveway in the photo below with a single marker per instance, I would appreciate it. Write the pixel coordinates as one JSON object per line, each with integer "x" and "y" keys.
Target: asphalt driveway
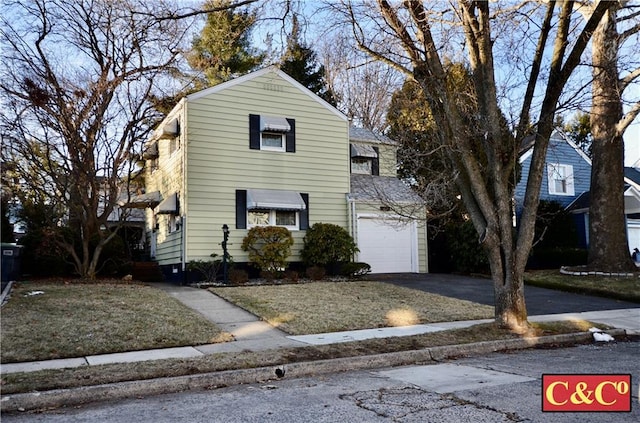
{"x": 539, "y": 300}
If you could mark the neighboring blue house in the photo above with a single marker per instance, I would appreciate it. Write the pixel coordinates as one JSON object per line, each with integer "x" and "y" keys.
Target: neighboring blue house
{"x": 567, "y": 180}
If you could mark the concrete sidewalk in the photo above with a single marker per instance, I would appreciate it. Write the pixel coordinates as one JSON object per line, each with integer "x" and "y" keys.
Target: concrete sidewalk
{"x": 252, "y": 334}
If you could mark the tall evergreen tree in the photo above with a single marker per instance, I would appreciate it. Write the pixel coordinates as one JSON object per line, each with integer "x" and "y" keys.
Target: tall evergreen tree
{"x": 223, "y": 49}
{"x": 300, "y": 62}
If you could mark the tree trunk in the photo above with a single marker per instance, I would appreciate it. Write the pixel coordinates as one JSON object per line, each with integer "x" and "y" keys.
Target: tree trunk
{"x": 608, "y": 244}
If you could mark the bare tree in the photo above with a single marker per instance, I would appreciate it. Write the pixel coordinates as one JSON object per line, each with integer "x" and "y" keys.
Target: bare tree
{"x": 608, "y": 244}
{"x": 75, "y": 83}
{"x": 363, "y": 86}
{"x": 417, "y": 41}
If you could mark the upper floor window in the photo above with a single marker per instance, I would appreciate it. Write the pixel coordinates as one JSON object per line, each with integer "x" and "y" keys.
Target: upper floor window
{"x": 272, "y": 141}
{"x": 560, "y": 179}
{"x": 362, "y": 166}
{"x": 364, "y": 159}
{"x": 272, "y": 133}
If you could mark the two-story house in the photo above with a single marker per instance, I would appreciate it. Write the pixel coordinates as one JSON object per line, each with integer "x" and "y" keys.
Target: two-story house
{"x": 567, "y": 181}
{"x": 257, "y": 150}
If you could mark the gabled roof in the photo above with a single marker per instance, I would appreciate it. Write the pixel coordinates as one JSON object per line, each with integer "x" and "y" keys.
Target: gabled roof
{"x": 259, "y": 73}
{"x": 366, "y": 135}
{"x": 632, "y": 174}
{"x": 556, "y": 136}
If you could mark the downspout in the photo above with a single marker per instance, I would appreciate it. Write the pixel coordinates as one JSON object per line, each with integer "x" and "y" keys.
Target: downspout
{"x": 351, "y": 206}
{"x": 185, "y": 194}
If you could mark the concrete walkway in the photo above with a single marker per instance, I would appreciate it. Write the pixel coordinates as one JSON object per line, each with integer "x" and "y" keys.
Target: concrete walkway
{"x": 252, "y": 334}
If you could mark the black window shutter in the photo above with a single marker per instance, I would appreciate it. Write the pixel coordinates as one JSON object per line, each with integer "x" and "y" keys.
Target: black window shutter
{"x": 291, "y": 136}
{"x": 254, "y": 132}
{"x": 241, "y": 209}
{"x": 375, "y": 163}
{"x": 304, "y": 214}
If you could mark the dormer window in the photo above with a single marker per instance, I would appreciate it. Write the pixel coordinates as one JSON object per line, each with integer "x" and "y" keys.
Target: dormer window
{"x": 361, "y": 166}
{"x": 364, "y": 159}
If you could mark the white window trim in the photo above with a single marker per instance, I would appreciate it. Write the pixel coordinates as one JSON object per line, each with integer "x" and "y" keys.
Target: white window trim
{"x": 271, "y": 148}
{"x": 272, "y": 220}
{"x": 553, "y": 169}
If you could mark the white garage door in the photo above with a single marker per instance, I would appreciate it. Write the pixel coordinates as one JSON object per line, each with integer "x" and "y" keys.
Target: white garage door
{"x": 389, "y": 246}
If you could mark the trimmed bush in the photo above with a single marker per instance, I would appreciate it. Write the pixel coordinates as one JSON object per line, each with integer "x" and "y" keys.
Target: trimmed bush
{"x": 208, "y": 269}
{"x": 268, "y": 247}
{"x": 326, "y": 244}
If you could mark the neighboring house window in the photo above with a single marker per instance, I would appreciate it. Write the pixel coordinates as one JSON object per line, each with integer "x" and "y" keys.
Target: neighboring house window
{"x": 260, "y": 207}
{"x": 560, "y": 179}
{"x": 272, "y": 133}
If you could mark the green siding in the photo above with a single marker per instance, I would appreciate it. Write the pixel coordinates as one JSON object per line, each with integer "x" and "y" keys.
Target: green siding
{"x": 219, "y": 160}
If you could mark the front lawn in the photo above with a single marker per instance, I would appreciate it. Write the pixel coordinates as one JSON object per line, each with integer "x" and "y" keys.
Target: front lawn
{"x": 320, "y": 307}
{"x": 619, "y": 288}
{"x": 43, "y": 321}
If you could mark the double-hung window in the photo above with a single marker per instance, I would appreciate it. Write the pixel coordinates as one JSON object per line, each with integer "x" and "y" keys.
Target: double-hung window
{"x": 560, "y": 178}
{"x": 364, "y": 159}
{"x": 272, "y": 141}
{"x": 272, "y": 133}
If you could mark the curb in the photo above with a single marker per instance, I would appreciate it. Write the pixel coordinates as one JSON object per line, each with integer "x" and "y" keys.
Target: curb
{"x": 140, "y": 388}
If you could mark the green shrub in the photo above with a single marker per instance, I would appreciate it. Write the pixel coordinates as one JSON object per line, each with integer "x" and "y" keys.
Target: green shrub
{"x": 268, "y": 247}
{"x": 326, "y": 243}
{"x": 207, "y": 268}
{"x": 355, "y": 269}
{"x": 467, "y": 256}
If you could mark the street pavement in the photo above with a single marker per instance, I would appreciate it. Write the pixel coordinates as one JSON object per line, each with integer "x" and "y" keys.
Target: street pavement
{"x": 499, "y": 387}
{"x": 252, "y": 334}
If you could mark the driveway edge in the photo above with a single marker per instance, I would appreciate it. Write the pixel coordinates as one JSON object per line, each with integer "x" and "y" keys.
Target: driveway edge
{"x": 140, "y": 388}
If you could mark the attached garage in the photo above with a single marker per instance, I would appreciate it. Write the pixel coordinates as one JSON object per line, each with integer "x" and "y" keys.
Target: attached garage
{"x": 389, "y": 245}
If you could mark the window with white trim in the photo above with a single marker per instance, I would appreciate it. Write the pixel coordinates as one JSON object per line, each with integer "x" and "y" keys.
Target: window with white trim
{"x": 262, "y": 217}
{"x": 272, "y": 133}
{"x": 272, "y": 141}
{"x": 560, "y": 178}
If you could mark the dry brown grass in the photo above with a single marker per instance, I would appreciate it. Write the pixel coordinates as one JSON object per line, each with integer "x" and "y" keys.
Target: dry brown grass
{"x": 111, "y": 373}
{"x": 73, "y": 320}
{"x": 321, "y": 307}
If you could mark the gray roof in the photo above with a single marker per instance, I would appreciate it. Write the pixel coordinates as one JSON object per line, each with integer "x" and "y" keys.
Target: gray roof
{"x": 370, "y": 188}
{"x": 366, "y": 135}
